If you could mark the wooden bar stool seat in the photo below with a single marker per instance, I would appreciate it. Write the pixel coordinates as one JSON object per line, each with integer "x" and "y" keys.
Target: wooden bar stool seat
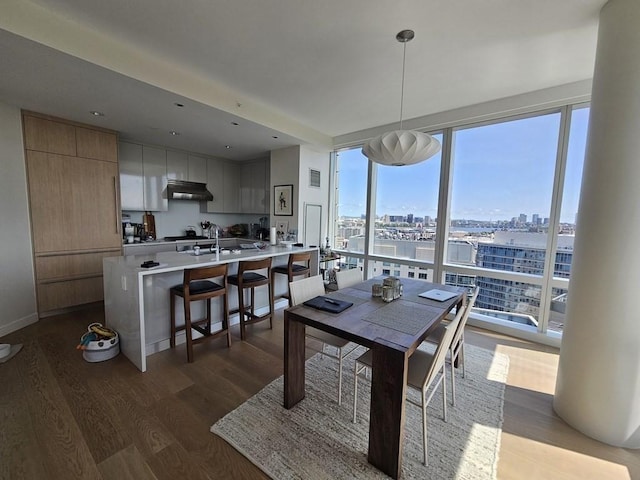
{"x": 293, "y": 269}
{"x": 249, "y": 278}
{"x": 197, "y": 286}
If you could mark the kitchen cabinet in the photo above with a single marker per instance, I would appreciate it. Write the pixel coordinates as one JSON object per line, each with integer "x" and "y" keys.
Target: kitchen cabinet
{"x": 238, "y": 187}
{"x": 197, "y": 169}
{"x": 154, "y": 174}
{"x": 44, "y": 135}
{"x": 177, "y": 165}
{"x": 254, "y": 187}
{"x": 184, "y": 166}
{"x": 231, "y": 193}
{"x": 73, "y": 202}
{"x": 223, "y": 181}
{"x": 71, "y": 279}
{"x": 215, "y": 184}
{"x": 131, "y": 176}
{"x": 72, "y": 172}
{"x": 143, "y": 177}
{"x": 96, "y": 144}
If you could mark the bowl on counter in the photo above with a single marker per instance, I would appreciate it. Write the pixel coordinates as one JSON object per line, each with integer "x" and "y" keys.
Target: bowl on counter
{"x": 287, "y": 243}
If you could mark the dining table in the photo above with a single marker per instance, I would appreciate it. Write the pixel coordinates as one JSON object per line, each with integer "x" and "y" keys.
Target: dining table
{"x": 393, "y": 331}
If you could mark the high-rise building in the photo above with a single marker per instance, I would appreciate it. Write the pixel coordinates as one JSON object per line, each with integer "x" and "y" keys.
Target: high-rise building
{"x": 523, "y": 253}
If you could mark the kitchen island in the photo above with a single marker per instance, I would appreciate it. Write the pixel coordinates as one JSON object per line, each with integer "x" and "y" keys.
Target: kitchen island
{"x": 136, "y": 299}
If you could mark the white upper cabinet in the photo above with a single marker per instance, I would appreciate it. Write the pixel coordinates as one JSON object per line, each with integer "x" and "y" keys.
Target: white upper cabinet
{"x": 145, "y": 170}
{"x": 154, "y": 167}
{"x": 215, "y": 184}
{"x": 231, "y": 192}
{"x": 143, "y": 177}
{"x": 177, "y": 165}
{"x": 254, "y": 187}
{"x": 130, "y": 166}
{"x": 197, "y": 169}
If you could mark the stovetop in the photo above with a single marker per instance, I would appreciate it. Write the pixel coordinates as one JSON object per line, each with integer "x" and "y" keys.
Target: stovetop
{"x": 185, "y": 237}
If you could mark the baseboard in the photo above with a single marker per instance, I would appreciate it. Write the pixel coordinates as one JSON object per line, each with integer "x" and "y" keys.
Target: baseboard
{"x": 18, "y": 324}
{"x": 234, "y": 319}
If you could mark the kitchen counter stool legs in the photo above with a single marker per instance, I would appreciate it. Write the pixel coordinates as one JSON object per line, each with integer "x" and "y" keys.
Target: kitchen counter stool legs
{"x": 298, "y": 265}
{"x": 198, "y": 286}
{"x": 249, "y": 278}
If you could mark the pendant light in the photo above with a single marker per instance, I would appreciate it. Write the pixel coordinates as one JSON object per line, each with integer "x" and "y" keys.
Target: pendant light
{"x": 401, "y": 147}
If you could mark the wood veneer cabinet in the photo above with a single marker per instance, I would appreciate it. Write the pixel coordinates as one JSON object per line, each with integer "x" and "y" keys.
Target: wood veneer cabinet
{"x": 72, "y": 171}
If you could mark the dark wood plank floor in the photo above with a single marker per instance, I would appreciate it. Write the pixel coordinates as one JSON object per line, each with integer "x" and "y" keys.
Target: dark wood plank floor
{"x": 64, "y": 418}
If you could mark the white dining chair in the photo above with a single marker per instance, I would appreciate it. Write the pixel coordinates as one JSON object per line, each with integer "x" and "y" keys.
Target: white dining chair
{"x": 302, "y": 290}
{"x": 456, "y": 350}
{"x": 426, "y": 372}
{"x": 347, "y": 278}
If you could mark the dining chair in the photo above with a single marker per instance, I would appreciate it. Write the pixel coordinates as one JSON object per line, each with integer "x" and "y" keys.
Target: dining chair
{"x": 306, "y": 289}
{"x": 347, "y": 278}
{"x": 426, "y": 371}
{"x": 456, "y": 350}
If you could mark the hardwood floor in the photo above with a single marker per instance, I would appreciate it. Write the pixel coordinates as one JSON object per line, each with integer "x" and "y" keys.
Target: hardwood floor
{"x": 64, "y": 418}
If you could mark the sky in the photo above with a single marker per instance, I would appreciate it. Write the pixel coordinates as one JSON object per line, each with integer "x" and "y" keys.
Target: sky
{"x": 499, "y": 172}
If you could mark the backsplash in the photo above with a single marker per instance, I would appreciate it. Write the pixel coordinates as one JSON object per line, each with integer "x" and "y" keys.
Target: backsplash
{"x": 184, "y": 213}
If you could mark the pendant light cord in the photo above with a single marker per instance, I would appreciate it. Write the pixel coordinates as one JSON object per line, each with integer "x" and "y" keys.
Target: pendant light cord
{"x": 404, "y": 57}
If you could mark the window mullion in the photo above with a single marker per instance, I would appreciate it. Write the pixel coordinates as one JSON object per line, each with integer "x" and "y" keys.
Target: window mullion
{"x": 444, "y": 200}
{"x": 372, "y": 177}
{"x": 554, "y": 218}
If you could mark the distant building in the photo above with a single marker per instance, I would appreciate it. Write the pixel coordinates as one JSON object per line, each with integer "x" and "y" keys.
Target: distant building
{"x": 524, "y": 253}
{"x": 512, "y": 251}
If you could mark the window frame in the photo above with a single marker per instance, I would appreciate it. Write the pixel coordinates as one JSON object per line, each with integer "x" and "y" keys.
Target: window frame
{"x": 547, "y": 282}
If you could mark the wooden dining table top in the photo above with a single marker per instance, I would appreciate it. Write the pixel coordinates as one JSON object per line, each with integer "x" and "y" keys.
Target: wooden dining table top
{"x": 400, "y": 324}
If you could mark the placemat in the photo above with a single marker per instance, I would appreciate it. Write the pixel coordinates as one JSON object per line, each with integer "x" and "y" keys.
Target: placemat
{"x": 400, "y": 316}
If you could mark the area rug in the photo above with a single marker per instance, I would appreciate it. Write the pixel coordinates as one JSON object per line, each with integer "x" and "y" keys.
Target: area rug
{"x": 317, "y": 439}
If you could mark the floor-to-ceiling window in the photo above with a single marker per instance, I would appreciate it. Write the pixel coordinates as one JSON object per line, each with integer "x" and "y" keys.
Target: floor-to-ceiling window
{"x": 405, "y": 214}
{"x": 350, "y": 201}
{"x": 502, "y": 183}
{"x": 568, "y": 215}
{"x": 510, "y": 190}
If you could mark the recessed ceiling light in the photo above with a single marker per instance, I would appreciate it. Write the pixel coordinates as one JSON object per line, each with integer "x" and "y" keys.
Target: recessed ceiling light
{"x": 178, "y": 104}
{"x": 96, "y": 113}
{"x": 174, "y": 133}
{"x": 235, "y": 123}
{"x": 227, "y": 147}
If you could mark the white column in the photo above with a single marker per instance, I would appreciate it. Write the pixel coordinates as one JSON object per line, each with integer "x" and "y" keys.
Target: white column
{"x": 598, "y": 385}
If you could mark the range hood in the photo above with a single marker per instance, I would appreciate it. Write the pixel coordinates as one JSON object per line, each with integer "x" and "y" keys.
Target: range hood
{"x": 183, "y": 190}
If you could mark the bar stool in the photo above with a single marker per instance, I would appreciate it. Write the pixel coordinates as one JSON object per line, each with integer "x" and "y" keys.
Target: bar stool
{"x": 194, "y": 287}
{"x": 293, "y": 269}
{"x": 248, "y": 277}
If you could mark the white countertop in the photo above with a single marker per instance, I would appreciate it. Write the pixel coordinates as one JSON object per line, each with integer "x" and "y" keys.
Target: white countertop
{"x": 173, "y": 261}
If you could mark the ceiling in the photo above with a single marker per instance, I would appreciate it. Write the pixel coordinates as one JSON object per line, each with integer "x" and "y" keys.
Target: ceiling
{"x": 287, "y": 72}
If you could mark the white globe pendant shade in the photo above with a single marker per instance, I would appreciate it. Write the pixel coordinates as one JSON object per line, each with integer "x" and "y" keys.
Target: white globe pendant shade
{"x": 401, "y": 147}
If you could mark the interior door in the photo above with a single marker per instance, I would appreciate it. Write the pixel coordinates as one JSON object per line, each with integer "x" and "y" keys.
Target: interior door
{"x": 312, "y": 224}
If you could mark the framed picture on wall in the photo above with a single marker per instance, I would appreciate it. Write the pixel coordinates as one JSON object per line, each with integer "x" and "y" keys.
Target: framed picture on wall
{"x": 283, "y": 199}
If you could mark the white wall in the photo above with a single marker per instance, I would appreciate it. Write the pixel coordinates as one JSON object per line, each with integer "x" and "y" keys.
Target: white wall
{"x": 17, "y": 282}
{"x": 284, "y": 171}
{"x": 290, "y": 166}
{"x": 317, "y": 160}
